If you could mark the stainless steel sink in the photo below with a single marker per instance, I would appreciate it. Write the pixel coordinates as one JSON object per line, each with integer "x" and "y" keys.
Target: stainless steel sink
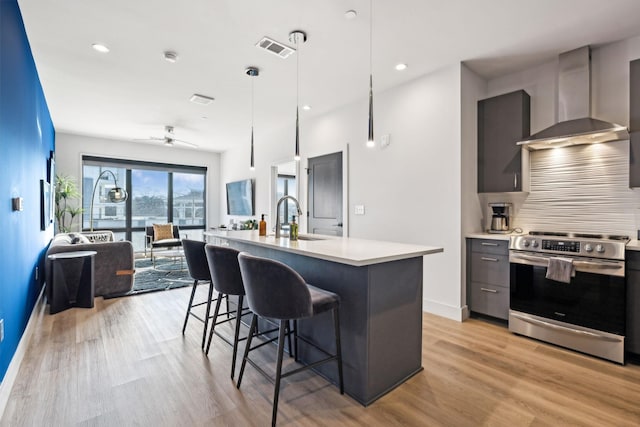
{"x": 311, "y": 238}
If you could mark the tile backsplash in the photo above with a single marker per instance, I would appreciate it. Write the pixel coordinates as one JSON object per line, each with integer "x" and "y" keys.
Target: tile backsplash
{"x": 584, "y": 188}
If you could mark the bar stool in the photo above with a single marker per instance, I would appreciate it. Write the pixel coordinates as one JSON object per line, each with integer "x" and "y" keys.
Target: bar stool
{"x": 198, "y": 267}
{"x": 276, "y": 291}
{"x": 225, "y": 272}
{"x": 227, "y": 280}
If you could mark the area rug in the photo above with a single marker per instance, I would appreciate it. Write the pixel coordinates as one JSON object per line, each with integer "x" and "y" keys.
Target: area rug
{"x": 167, "y": 274}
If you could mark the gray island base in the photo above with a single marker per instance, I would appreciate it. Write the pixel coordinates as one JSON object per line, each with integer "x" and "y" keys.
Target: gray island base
{"x": 380, "y": 306}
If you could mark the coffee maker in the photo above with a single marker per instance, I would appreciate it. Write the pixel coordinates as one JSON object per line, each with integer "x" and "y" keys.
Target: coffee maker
{"x": 500, "y": 218}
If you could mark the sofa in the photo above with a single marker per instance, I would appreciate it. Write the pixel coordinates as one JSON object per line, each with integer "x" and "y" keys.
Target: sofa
{"x": 113, "y": 262}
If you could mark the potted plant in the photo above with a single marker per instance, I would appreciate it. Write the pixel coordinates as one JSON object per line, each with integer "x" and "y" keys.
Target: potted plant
{"x": 66, "y": 190}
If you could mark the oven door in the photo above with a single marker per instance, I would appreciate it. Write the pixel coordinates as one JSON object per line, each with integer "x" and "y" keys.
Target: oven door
{"x": 594, "y": 299}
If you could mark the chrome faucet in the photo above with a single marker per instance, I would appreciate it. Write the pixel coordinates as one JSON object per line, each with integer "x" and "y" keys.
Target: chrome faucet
{"x": 278, "y": 212}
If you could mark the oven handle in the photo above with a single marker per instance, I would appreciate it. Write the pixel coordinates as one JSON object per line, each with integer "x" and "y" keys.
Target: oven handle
{"x": 563, "y": 328}
{"x": 544, "y": 261}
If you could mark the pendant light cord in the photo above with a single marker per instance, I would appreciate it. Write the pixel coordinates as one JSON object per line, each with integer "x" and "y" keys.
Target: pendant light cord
{"x": 370, "y": 37}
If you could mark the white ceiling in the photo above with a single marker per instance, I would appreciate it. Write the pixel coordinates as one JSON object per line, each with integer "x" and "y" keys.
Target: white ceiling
{"x": 132, "y": 92}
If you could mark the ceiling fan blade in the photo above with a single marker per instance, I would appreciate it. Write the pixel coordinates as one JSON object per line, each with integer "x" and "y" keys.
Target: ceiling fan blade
{"x": 191, "y": 144}
{"x": 150, "y": 139}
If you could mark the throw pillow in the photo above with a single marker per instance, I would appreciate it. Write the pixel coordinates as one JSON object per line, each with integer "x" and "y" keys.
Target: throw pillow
{"x": 162, "y": 231}
{"x": 77, "y": 238}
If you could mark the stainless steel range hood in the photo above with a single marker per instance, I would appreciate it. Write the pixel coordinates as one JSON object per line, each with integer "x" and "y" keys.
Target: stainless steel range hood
{"x": 575, "y": 126}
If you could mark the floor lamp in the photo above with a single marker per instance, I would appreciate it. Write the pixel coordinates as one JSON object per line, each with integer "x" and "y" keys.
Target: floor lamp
{"x": 116, "y": 195}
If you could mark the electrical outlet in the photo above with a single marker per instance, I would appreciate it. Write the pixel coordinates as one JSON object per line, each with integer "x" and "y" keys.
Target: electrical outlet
{"x": 359, "y": 210}
{"x": 1, "y": 330}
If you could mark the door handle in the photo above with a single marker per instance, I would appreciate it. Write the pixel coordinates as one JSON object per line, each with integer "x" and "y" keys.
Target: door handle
{"x": 338, "y": 224}
{"x": 515, "y": 180}
{"x": 484, "y": 258}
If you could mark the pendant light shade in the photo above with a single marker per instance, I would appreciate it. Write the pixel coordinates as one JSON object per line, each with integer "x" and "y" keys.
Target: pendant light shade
{"x": 252, "y": 72}
{"x": 297, "y": 37}
{"x": 370, "y": 140}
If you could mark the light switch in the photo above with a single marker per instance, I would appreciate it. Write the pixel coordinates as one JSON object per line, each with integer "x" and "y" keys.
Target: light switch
{"x": 359, "y": 210}
{"x": 385, "y": 141}
{"x": 16, "y": 203}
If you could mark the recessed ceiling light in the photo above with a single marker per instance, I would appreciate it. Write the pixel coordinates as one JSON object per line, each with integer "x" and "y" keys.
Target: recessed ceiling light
{"x": 350, "y": 14}
{"x": 170, "y": 56}
{"x": 306, "y": 107}
{"x": 100, "y": 47}
{"x": 401, "y": 67}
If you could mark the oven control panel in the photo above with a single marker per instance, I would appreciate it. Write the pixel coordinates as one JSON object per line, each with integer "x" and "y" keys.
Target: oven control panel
{"x": 570, "y": 246}
{"x": 561, "y": 245}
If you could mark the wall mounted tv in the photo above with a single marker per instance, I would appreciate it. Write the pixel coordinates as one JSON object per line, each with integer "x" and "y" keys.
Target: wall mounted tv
{"x": 240, "y": 198}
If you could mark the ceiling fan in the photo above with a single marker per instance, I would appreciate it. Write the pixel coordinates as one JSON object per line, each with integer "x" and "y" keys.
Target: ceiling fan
{"x": 169, "y": 139}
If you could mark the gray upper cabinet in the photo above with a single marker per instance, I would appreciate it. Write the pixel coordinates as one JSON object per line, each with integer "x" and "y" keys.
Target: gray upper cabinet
{"x": 634, "y": 124}
{"x": 503, "y": 121}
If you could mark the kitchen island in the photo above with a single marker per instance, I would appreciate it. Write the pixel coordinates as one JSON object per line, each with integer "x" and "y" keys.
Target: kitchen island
{"x": 380, "y": 289}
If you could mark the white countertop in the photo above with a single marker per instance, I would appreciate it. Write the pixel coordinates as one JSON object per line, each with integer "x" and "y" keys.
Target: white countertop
{"x": 490, "y": 236}
{"x": 633, "y": 245}
{"x": 344, "y": 250}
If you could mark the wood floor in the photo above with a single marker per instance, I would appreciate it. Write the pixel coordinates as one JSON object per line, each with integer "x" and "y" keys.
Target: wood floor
{"x": 126, "y": 363}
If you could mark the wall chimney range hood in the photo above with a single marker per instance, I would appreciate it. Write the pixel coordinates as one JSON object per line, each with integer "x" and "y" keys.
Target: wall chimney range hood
{"x": 575, "y": 125}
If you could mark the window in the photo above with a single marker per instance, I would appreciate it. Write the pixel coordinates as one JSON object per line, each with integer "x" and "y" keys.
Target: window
{"x": 158, "y": 193}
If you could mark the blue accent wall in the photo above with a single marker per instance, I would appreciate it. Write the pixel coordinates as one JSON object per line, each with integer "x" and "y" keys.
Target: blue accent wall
{"x": 26, "y": 138}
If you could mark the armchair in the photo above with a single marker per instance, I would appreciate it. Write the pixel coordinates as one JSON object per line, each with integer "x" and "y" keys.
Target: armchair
{"x": 167, "y": 241}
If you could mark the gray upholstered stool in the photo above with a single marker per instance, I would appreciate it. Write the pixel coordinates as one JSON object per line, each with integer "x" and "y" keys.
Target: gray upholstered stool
{"x": 227, "y": 280}
{"x": 198, "y": 267}
{"x": 276, "y": 291}
{"x": 225, "y": 272}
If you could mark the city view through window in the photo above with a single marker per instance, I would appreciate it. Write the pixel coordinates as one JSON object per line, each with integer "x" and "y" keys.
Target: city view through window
{"x": 155, "y": 196}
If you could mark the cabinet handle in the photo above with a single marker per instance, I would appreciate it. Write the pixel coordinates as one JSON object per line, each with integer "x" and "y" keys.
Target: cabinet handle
{"x": 489, "y": 244}
{"x": 493, "y": 291}
{"x": 515, "y": 180}
{"x": 484, "y": 258}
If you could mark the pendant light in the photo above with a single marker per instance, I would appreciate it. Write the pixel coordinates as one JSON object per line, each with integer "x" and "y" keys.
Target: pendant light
{"x": 371, "y": 141}
{"x": 297, "y": 37}
{"x": 252, "y": 72}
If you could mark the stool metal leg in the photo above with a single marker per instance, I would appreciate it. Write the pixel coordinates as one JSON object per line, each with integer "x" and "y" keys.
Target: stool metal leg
{"x": 336, "y": 323}
{"x": 186, "y": 318}
{"x": 213, "y": 325}
{"x": 236, "y": 334}
{"x": 206, "y": 317}
{"x": 283, "y": 326}
{"x": 252, "y": 329}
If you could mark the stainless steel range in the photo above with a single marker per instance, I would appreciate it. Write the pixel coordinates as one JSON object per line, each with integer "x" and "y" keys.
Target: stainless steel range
{"x": 569, "y": 289}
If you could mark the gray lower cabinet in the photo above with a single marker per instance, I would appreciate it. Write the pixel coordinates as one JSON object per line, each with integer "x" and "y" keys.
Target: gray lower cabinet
{"x": 632, "y": 338}
{"x": 488, "y": 277}
{"x": 503, "y": 121}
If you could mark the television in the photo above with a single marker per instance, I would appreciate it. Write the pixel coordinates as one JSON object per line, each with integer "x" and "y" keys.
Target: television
{"x": 240, "y": 198}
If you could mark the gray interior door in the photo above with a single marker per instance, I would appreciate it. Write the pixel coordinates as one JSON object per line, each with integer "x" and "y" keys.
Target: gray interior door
{"x": 325, "y": 194}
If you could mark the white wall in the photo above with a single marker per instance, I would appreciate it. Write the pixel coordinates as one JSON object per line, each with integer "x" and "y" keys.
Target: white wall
{"x": 411, "y": 189}
{"x": 70, "y": 149}
{"x": 474, "y": 88}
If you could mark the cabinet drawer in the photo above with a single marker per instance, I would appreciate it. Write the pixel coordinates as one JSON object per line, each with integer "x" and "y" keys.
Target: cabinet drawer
{"x": 490, "y": 300}
{"x": 498, "y": 247}
{"x": 490, "y": 269}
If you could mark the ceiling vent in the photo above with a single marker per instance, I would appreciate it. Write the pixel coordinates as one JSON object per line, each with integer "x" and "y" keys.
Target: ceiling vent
{"x": 275, "y": 47}
{"x": 201, "y": 99}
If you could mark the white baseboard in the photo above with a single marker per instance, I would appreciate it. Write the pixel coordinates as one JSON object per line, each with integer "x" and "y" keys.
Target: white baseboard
{"x": 14, "y": 366}
{"x": 444, "y": 310}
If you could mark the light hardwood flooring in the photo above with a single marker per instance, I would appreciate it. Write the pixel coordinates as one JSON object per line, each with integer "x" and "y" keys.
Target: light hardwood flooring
{"x": 125, "y": 362}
